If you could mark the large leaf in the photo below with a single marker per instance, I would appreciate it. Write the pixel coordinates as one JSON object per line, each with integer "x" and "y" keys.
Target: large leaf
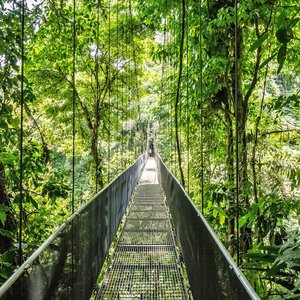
{"x": 7, "y": 158}
{"x": 243, "y": 220}
{"x": 258, "y": 42}
{"x": 281, "y": 57}
{"x": 267, "y": 60}
{"x": 284, "y": 35}
{"x": 3, "y": 210}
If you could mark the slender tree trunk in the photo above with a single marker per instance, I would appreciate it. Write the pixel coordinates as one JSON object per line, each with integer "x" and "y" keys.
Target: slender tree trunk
{"x": 230, "y": 173}
{"x": 246, "y": 233}
{"x": 98, "y": 162}
{"x": 253, "y": 158}
{"x": 178, "y": 93}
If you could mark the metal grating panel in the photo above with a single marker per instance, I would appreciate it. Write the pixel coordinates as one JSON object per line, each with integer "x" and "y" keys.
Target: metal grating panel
{"x": 145, "y": 264}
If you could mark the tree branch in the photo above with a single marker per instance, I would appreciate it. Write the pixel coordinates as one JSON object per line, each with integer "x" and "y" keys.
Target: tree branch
{"x": 279, "y": 131}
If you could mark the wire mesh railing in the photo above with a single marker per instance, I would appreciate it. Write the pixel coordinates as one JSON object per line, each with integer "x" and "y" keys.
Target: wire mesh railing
{"x": 211, "y": 270}
{"x": 68, "y": 263}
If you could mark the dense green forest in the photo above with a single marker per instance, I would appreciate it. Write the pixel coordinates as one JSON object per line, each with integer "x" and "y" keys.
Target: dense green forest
{"x": 217, "y": 89}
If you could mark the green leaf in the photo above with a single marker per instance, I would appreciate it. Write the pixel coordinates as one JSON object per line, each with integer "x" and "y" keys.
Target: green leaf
{"x": 262, "y": 257}
{"x": 293, "y": 22}
{"x": 2, "y": 217}
{"x": 6, "y": 233}
{"x": 222, "y": 219}
{"x": 297, "y": 283}
{"x": 281, "y": 18}
{"x": 243, "y": 220}
{"x": 3, "y": 210}
{"x": 258, "y": 42}
{"x": 284, "y": 35}
{"x": 281, "y": 57}
{"x": 7, "y": 158}
{"x": 33, "y": 202}
{"x": 267, "y": 61}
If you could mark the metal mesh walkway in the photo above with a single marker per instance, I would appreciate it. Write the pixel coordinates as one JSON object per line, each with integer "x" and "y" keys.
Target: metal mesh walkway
{"x": 145, "y": 264}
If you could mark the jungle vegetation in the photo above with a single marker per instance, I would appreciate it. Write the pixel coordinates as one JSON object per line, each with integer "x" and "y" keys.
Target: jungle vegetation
{"x": 220, "y": 98}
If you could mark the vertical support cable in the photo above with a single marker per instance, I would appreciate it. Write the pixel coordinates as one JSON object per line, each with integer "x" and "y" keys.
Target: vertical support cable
{"x": 122, "y": 95}
{"x": 20, "y": 250}
{"x": 109, "y": 91}
{"x": 137, "y": 91}
{"x": 174, "y": 76}
{"x": 73, "y": 107}
{"x": 201, "y": 113}
{"x": 236, "y": 87}
{"x": 164, "y": 58}
{"x": 170, "y": 84}
{"x": 126, "y": 81}
{"x": 187, "y": 97}
{"x": 170, "y": 88}
{"x": 73, "y": 140}
{"x": 97, "y": 75}
{"x": 117, "y": 83}
{"x": 130, "y": 77}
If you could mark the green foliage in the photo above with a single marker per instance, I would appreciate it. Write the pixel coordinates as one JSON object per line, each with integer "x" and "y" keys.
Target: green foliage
{"x": 3, "y": 210}
{"x": 281, "y": 266}
{"x": 120, "y": 89}
{"x": 268, "y": 125}
{"x": 110, "y": 129}
{"x": 55, "y": 188}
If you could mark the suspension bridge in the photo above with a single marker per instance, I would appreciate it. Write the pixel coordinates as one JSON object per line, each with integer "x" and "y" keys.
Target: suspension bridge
{"x": 141, "y": 237}
{"x": 162, "y": 247}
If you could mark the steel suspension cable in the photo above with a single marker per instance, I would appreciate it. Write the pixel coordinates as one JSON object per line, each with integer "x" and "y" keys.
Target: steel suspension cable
{"x": 236, "y": 102}
{"x": 97, "y": 76}
{"x": 201, "y": 111}
{"x": 117, "y": 83}
{"x": 174, "y": 82}
{"x": 130, "y": 77}
{"x": 73, "y": 106}
{"x": 170, "y": 86}
{"x": 20, "y": 248}
{"x": 164, "y": 52}
{"x": 137, "y": 90}
{"x": 109, "y": 91}
{"x": 187, "y": 97}
{"x": 126, "y": 82}
{"x": 122, "y": 95}
{"x": 73, "y": 135}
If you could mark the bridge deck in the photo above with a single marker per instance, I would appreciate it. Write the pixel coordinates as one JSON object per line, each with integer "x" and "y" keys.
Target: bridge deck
{"x": 145, "y": 264}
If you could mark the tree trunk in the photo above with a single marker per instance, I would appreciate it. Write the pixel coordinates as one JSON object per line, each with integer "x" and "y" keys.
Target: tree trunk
{"x": 98, "y": 162}
{"x": 230, "y": 174}
{"x": 242, "y": 112}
